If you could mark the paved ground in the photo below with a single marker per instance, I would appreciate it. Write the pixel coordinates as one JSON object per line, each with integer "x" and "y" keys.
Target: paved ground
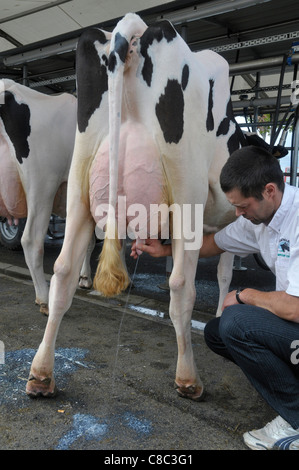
{"x": 115, "y": 369}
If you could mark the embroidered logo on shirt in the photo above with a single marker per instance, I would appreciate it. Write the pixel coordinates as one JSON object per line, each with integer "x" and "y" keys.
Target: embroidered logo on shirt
{"x": 284, "y": 248}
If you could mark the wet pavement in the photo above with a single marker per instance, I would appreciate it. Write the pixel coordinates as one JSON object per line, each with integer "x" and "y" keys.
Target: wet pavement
{"x": 115, "y": 367}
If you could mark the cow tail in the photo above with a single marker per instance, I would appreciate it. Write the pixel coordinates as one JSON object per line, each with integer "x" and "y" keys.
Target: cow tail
{"x": 111, "y": 276}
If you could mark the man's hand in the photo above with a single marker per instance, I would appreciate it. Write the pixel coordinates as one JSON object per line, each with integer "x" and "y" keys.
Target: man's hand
{"x": 230, "y": 299}
{"x": 280, "y": 303}
{"x": 151, "y": 246}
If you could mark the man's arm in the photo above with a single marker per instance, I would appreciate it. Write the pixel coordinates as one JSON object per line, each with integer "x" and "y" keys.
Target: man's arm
{"x": 209, "y": 247}
{"x": 279, "y": 302}
{"x": 155, "y": 248}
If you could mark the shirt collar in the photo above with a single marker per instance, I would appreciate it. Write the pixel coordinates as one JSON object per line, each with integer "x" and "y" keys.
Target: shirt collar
{"x": 286, "y": 203}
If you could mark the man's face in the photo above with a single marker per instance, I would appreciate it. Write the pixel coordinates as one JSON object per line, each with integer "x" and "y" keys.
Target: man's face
{"x": 255, "y": 210}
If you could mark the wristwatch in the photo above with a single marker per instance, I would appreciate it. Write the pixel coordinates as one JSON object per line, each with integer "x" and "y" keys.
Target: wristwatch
{"x": 239, "y": 290}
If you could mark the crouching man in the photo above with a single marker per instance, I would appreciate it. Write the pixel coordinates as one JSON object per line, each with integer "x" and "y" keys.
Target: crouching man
{"x": 259, "y": 331}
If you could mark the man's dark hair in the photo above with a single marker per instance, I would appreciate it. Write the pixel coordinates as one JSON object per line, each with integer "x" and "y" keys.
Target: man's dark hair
{"x": 249, "y": 169}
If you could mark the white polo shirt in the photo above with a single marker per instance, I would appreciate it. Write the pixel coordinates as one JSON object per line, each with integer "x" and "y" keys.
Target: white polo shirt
{"x": 278, "y": 242}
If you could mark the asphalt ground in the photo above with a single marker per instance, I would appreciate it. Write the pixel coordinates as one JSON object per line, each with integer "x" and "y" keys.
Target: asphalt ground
{"x": 115, "y": 367}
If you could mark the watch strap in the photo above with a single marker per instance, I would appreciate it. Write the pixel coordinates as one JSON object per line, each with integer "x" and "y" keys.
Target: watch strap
{"x": 238, "y": 292}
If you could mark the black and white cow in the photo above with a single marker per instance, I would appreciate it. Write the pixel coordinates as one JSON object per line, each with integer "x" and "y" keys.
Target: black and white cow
{"x": 37, "y": 133}
{"x": 156, "y": 119}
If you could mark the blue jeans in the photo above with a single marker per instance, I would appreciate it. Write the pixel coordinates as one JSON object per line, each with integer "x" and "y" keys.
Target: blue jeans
{"x": 260, "y": 343}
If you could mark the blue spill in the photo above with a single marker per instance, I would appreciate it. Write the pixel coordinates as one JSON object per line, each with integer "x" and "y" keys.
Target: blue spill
{"x": 89, "y": 428}
{"x": 15, "y": 371}
{"x": 141, "y": 426}
{"x": 85, "y": 426}
{"x": 13, "y": 377}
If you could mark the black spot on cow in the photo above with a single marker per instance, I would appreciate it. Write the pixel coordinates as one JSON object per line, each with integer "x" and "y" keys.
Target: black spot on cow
{"x": 121, "y": 46}
{"x": 185, "y": 76}
{"x": 112, "y": 61}
{"x": 155, "y": 32}
{"x": 170, "y": 112}
{"x": 92, "y": 77}
{"x": 224, "y": 125}
{"x": 147, "y": 70}
{"x": 233, "y": 143}
{"x": 234, "y": 140}
{"x": 16, "y": 120}
{"x": 210, "y": 118}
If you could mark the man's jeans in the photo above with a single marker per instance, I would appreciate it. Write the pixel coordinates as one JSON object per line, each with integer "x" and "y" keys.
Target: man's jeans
{"x": 266, "y": 348}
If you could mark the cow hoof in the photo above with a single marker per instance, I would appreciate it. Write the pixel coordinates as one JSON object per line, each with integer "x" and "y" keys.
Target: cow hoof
{"x": 43, "y": 308}
{"x": 84, "y": 282}
{"x": 192, "y": 392}
{"x": 41, "y": 387}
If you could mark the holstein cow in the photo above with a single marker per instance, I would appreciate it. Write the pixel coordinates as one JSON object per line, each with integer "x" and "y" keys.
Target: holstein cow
{"x": 37, "y": 134}
{"x": 169, "y": 132}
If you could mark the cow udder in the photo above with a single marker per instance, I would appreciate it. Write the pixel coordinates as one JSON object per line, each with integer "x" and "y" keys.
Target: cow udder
{"x": 140, "y": 177}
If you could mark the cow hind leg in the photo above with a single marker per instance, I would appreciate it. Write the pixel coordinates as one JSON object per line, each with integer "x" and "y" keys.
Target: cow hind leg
{"x": 63, "y": 285}
{"x": 33, "y": 246}
{"x": 182, "y": 298}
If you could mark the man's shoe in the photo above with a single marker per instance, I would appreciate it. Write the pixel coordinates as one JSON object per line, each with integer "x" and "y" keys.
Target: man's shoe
{"x": 276, "y": 435}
